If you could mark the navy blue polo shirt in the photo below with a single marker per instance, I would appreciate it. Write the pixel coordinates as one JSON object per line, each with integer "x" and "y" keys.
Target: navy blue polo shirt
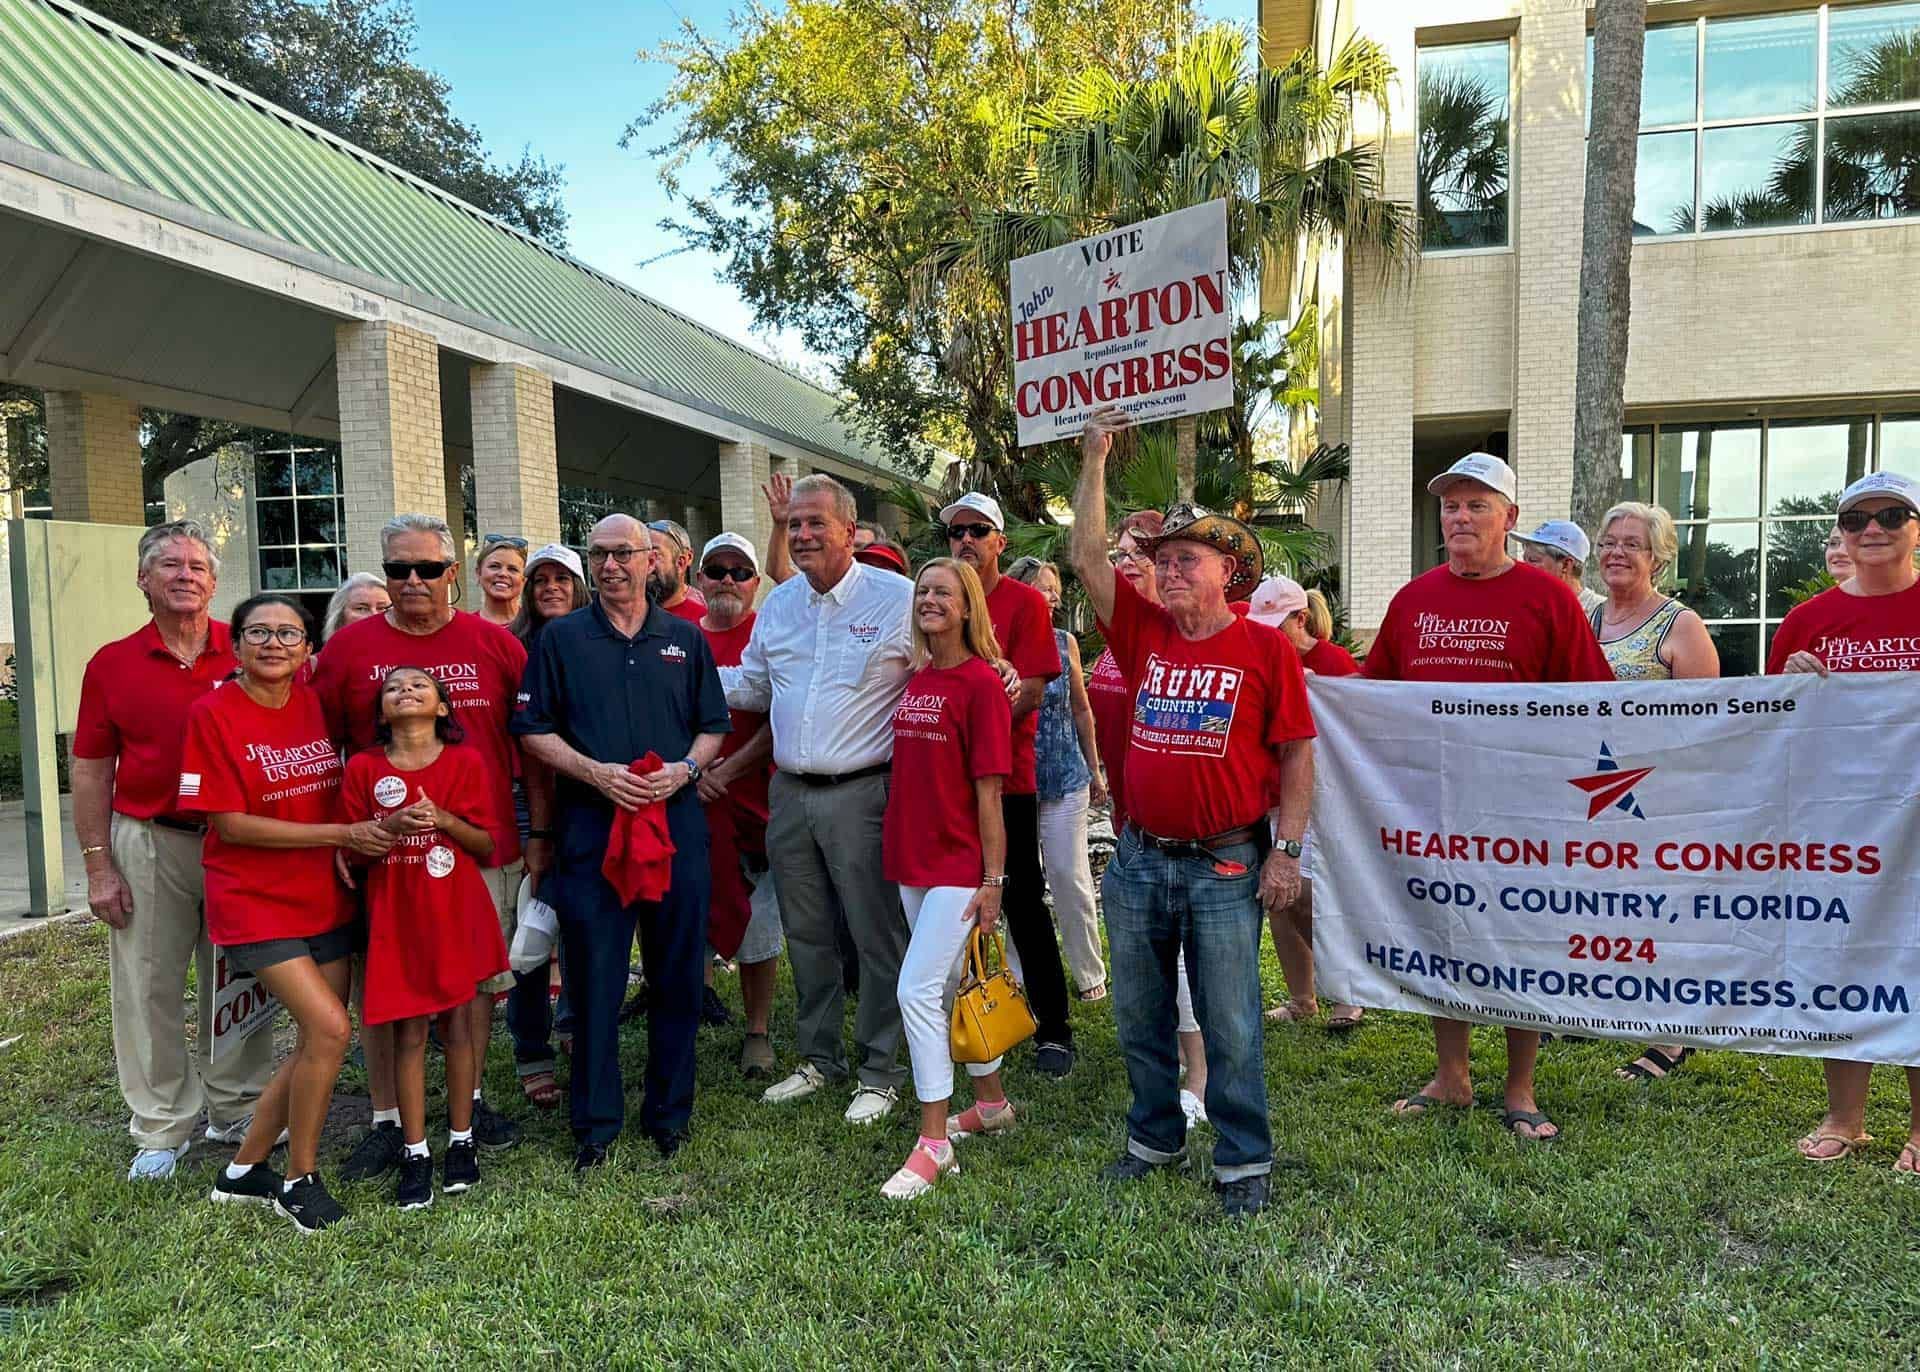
{"x": 615, "y": 699}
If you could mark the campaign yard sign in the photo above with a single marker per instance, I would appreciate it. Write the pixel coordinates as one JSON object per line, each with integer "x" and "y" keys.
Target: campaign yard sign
{"x": 242, "y": 1007}
{"x": 1139, "y": 317}
{"x": 1724, "y": 864}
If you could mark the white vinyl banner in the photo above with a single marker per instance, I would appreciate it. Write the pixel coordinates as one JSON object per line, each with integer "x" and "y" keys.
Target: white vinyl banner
{"x": 242, "y": 1006}
{"x": 1139, "y": 317}
{"x": 1726, "y": 864}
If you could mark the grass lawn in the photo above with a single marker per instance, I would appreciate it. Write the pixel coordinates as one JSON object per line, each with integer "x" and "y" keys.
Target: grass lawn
{"x": 1673, "y": 1225}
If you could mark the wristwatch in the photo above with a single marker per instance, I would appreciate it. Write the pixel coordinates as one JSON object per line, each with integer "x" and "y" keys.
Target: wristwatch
{"x": 693, "y": 768}
{"x": 1289, "y": 846}
{"x": 993, "y": 881}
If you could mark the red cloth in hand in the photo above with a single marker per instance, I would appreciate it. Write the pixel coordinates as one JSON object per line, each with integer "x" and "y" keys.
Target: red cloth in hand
{"x": 639, "y": 861}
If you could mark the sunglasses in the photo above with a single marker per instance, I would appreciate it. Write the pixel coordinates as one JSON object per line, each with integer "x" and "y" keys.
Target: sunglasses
{"x": 511, "y": 541}
{"x": 1891, "y": 518}
{"x": 715, "y": 572}
{"x": 426, "y": 571}
{"x": 977, "y": 532}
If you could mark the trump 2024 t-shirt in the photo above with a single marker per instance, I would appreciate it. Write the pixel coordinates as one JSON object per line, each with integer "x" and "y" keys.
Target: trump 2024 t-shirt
{"x": 1208, "y": 717}
{"x": 1852, "y": 633}
{"x": 1520, "y": 626}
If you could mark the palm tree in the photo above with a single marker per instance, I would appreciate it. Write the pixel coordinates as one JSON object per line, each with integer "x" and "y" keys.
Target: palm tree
{"x": 1276, "y": 143}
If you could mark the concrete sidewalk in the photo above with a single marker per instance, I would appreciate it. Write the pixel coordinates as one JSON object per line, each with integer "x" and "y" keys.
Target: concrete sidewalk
{"x": 13, "y": 866}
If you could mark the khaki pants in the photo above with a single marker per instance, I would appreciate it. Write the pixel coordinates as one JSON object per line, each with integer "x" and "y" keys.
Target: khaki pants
{"x": 503, "y": 884}
{"x": 148, "y": 961}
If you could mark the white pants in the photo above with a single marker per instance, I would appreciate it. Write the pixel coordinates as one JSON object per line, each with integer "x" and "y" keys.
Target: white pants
{"x": 1183, "y": 996}
{"x": 929, "y": 975}
{"x": 1063, "y": 852}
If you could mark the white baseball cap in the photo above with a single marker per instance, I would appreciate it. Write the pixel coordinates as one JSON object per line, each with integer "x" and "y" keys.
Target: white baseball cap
{"x": 740, "y": 545}
{"x": 1274, "y": 599}
{"x": 1485, "y": 468}
{"x": 1897, "y": 485}
{"x": 1563, "y": 536}
{"x": 557, "y": 552}
{"x": 983, "y": 505}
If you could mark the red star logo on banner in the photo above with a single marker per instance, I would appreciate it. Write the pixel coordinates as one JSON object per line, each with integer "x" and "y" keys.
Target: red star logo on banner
{"x": 1610, "y": 785}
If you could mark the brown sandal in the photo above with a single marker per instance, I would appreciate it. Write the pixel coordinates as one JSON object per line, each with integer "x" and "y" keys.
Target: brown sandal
{"x": 1848, "y": 1146}
{"x": 541, "y": 1089}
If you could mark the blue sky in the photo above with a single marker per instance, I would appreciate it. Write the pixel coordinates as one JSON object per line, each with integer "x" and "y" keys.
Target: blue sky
{"x": 567, "y": 86}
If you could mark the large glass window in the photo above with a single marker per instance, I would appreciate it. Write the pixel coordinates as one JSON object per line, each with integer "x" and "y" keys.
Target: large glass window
{"x": 1743, "y": 128}
{"x": 1753, "y": 503}
{"x": 1463, "y": 170}
{"x": 299, "y": 527}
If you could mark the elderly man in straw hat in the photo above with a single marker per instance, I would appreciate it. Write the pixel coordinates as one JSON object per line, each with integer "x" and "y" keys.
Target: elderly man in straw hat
{"x": 1220, "y": 703}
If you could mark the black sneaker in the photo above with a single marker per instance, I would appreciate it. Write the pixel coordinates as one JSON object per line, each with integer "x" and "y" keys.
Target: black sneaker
{"x": 460, "y": 1167}
{"x": 1054, "y": 1059}
{"x": 589, "y": 1156}
{"x": 415, "y": 1191}
{"x": 492, "y": 1130}
{"x": 260, "y": 1186}
{"x": 670, "y": 1141}
{"x": 377, "y": 1154}
{"x": 308, "y": 1205}
{"x": 1127, "y": 1167}
{"x": 713, "y": 1010}
{"x": 1242, "y": 1198}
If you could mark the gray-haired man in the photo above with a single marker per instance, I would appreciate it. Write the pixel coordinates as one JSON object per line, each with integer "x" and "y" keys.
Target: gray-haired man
{"x": 480, "y": 665}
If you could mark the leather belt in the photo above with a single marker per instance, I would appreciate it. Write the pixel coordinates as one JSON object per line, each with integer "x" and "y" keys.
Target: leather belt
{"x": 839, "y": 779}
{"x": 1246, "y": 833}
{"x": 180, "y": 826}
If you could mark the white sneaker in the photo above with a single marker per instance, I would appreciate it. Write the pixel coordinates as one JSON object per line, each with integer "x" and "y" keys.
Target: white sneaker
{"x": 236, "y": 1132}
{"x": 806, "y": 1079}
{"x": 871, "y": 1104}
{"x": 1193, "y": 1108}
{"x": 156, "y": 1164}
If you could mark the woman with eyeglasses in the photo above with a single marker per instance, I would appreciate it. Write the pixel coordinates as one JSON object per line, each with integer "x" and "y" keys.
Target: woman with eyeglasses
{"x": 360, "y": 595}
{"x": 1647, "y": 635}
{"x": 1868, "y": 623}
{"x": 502, "y": 575}
{"x": 259, "y": 762}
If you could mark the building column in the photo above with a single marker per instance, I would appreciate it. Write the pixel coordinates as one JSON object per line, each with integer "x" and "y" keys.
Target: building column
{"x": 392, "y": 458}
{"x": 744, "y": 469}
{"x": 1549, "y": 187}
{"x": 694, "y": 520}
{"x": 516, "y": 465}
{"x": 93, "y": 458}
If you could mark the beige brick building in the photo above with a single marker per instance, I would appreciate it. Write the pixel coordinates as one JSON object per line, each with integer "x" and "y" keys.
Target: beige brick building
{"x": 1775, "y": 266}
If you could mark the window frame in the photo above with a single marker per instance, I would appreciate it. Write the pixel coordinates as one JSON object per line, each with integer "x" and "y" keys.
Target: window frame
{"x": 1513, "y": 100}
{"x": 290, "y": 451}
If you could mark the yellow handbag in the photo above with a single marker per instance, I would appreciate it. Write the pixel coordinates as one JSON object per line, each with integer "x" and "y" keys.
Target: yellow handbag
{"x": 990, "y": 1013}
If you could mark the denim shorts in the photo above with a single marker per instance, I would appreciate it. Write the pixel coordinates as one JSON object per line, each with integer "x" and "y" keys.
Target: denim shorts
{"x": 330, "y": 946}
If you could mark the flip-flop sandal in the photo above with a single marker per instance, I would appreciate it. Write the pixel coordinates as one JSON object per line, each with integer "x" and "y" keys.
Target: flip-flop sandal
{"x": 1848, "y": 1146}
{"x": 541, "y": 1089}
{"x": 1911, "y": 1151}
{"x": 1286, "y": 1012}
{"x": 1343, "y": 1024}
{"x": 1663, "y": 1066}
{"x": 1420, "y": 1105}
{"x": 1528, "y": 1117}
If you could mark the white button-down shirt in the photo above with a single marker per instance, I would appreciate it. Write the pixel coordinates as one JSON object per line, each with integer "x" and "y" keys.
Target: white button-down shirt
{"x": 828, "y": 669}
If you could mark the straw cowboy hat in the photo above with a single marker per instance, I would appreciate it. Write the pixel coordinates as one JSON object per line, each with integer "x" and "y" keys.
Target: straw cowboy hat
{"x": 1220, "y": 532}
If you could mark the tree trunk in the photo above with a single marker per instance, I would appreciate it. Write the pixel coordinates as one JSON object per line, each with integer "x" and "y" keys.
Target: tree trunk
{"x": 1606, "y": 258}
{"x": 1186, "y": 456}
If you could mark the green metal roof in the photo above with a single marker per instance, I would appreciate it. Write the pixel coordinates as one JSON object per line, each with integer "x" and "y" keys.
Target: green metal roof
{"x": 82, "y": 89}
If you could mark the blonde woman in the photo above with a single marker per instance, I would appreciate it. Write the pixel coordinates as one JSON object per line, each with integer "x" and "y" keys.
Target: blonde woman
{"x": 502, "y": 575}
{"x": 1647, "y": 636}
{"x": 943, "y": 840}
{"x": 360, "y": 595}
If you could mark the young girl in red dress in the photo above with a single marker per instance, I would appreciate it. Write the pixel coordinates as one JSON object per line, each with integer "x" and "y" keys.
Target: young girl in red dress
{"x": 432, "y": 935}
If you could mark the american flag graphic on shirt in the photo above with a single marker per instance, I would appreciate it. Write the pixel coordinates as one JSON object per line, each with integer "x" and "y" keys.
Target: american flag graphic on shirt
{"x": 189, "y": 785}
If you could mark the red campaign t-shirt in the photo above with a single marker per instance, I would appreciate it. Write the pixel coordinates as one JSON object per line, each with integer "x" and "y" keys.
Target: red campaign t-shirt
{"x": 728, "y": 645}
{"x": 1112, "y": 702}
{"x": 691, "y": 608}
{"x": 1329, "y": 659}
{"x": 134, "y": 700}
{"x": 1208, "y": 715}
{"x": 240, "y": 757}
{"x": 479, "y": 663}
{"x": 432, "y": 933}
{"x": 1852, "y": 633}
{"x": 1024, "y": 625}
{"x": 952, "y": 727}
{"x": 1520, "y": 626}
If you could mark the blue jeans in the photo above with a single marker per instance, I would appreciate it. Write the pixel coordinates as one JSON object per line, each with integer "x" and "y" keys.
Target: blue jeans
{"x": 1156, "y": 904}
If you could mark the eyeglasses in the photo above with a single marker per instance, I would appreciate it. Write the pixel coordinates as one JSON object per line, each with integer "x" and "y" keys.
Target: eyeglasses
{"x": 1619, "y": 545}
{"x": 510, "y": 540}
{"x": 598, "y": 556}
{"x": 670, "y": 529}
{"x": 286, "y": 635}
{"x": 426, "y": 571}
{"x": 1891, "y": 518}
{"x": 715, "y": 572}
{"x": 977, "y": 532}
{"x": 1119, "y": 555}
{"x": 1183, "y": 562}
